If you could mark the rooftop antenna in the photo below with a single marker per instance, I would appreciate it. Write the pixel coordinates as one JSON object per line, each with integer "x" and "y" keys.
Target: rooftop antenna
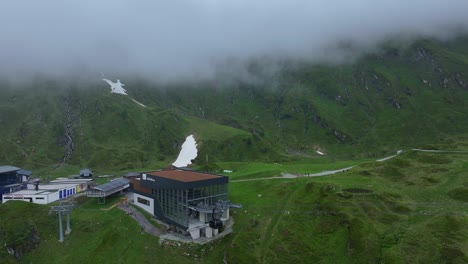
{"x": 63, "y": 207}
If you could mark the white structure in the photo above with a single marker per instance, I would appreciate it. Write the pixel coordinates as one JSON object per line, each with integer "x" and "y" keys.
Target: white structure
{"x": 187, "y": 153}
{"x": 33, "y": 196}
{"x": 144, "y": 202}
{"x": 81, "y": 184}
{"x": 200, "y": 227}
{"x": 41, "y": 196}
{"x": 48, "y": 193}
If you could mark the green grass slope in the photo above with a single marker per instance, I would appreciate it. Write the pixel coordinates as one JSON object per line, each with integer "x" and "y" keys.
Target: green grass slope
{"x": 109, "y": 131}
{"x": 97, "y": 237}
{"x": 400, "y": 97}
{"x": 410, "y": 209}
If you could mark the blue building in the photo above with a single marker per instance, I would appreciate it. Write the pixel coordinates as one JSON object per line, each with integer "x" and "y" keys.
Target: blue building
{"x": 10, "y": 179}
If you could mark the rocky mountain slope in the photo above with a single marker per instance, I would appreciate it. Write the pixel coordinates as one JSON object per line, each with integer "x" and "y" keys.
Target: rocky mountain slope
{"x": 402, "y": 96}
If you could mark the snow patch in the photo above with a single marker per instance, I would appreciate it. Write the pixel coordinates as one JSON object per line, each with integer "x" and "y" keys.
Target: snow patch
{"x": 320, "y": 153}
{"x": 188, "y": 153}
{"x": 116, "y": 87}
{"x": 138, "y": 103}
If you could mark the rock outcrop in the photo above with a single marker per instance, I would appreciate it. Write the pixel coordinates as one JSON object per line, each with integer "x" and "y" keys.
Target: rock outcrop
{"x": 69, "y": 146}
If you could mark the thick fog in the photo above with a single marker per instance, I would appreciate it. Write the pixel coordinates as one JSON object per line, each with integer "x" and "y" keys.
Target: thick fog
{"x": 177, "y": 39}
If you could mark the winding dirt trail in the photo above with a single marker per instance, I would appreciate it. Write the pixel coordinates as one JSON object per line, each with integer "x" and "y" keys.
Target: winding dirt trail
{"x": 331, "y": 172}
{"x": 293, "y": 176}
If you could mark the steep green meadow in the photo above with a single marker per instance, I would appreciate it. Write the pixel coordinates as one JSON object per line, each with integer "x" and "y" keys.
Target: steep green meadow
{"x": 406, "y": 210}
{"x": 410, "y": 209}
{"x": 398, "y": 98}
{"x": 402, "y": 96}
{"x": 110, "y": 131}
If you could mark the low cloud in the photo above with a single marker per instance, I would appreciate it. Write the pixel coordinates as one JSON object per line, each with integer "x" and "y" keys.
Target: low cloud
{"x": 183, "y": 39}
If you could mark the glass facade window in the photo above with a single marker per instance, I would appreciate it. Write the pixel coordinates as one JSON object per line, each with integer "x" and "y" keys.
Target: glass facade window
{"x": 143, "y": 201}
{"x": 178, "y": 204}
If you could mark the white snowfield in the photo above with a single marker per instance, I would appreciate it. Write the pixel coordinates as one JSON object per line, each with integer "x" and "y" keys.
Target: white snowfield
{"x": 188, "y": 153}
{"x": 116, "y": 87}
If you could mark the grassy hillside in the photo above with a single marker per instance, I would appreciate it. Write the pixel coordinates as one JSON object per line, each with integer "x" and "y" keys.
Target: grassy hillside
{"x": 410, "y": 209}
{"x": 400, "y": 97}
{"x": 98, "y": 237}
{"x": 407, "y": 210}
{"x": 109, "y": 131}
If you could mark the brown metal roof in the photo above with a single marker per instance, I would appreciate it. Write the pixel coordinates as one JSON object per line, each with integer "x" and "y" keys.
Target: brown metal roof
{"x": 183, "y": 175}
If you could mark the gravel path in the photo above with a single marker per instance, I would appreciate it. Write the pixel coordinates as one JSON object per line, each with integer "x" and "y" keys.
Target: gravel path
{"x": 441, "y": 151}
{"x": 141, "y": 220}
{"x": 292, "y": 176}
{"x": 386, "y": 158}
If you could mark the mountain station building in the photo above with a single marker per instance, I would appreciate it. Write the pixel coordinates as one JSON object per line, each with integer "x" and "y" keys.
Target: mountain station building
{"x": 12, "y": 179}
{"x": 16, "y": 184}
{"x": 192, "y": 202}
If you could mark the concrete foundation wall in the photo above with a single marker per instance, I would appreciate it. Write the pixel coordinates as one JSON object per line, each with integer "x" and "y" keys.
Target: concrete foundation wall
{"x": 209, "y": 232}
{"x": 225, "y": 215}
{"x": 195, "y": 233}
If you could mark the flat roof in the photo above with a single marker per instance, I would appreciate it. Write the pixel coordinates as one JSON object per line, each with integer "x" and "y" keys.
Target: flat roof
{"x": 85, "y": 171}
{"x": 117, "y": 183}
{"x": 8, "y": 168}
{"x": 56, "y": 186}
{"x": 30, "y": 192}
{"x": 183, "y": 175}
{"x": 71, "y": 180}
{"x": 13, "y": 185}
{"x": 132, "y": 174}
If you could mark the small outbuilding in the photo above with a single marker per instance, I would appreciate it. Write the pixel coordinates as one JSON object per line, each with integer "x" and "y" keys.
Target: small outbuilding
{"x": 85, "y": 173}
{"x": 24, "y": 174}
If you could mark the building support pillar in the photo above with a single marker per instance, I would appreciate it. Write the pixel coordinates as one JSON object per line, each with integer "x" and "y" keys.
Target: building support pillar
{"x": 60, "y": 227}
{"x": 68, "y": 231}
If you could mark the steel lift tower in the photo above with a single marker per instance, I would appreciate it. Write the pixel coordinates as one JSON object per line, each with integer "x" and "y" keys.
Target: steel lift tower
{"x": 63, "y": 207}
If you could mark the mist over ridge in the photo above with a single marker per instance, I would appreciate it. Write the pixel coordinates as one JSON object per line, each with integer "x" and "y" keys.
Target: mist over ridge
{"x": 188, "y": 39}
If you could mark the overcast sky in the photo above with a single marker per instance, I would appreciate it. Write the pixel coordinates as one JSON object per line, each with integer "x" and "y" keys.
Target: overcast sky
{"x": 173, "y": 39}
